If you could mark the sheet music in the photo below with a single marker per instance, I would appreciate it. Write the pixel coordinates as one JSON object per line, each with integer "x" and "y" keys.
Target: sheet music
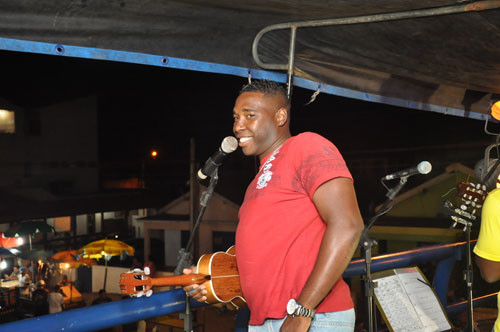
{"x": 409, "y": 304}
{"x": 424, "y": 301}
{"x": 396, "y": 305}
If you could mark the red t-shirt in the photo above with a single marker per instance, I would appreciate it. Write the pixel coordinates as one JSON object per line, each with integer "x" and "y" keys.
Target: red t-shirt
{"x": 280, "y": 231}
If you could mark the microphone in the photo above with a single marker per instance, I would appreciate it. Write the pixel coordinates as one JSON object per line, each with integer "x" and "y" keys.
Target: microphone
{"x": 228, "y": 145}
{"x": 424, "y": 167}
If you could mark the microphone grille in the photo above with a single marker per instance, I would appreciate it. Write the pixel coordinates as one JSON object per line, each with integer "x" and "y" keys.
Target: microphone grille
{"x": 424, "y": 167}
{"x": 229, "y": 144}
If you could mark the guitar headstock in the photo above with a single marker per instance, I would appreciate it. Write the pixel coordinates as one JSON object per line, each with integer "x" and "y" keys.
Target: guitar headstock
{"x": 136, "y": 283}
{"x": 472, "y": 195}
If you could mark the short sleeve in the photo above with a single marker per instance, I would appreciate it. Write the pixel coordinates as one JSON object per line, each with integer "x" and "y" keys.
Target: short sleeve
{"x": 489, "y": 235}
{"x": 319, "y": 161}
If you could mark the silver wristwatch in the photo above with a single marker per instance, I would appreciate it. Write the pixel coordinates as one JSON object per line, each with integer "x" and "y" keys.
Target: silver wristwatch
{"x": 293, "y": 308}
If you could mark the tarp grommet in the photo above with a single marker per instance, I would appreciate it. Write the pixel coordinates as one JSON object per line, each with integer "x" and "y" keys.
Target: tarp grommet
{"x": 59, "y": 49}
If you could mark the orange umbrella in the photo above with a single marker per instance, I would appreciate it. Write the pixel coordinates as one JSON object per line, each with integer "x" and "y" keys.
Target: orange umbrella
{"x": 71, "y": 259}
{"x": 9, "y": 242}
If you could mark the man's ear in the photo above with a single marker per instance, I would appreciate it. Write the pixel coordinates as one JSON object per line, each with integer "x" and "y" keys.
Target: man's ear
{"x": 281, "y": 116}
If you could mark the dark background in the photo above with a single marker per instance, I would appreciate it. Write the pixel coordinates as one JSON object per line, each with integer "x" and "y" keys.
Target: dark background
{"x": 140, "y": 108}
{"x": 144, "y": 107}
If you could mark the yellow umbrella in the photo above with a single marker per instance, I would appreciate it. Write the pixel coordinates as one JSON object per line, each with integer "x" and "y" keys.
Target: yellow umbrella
{"x": 106, "y": 248}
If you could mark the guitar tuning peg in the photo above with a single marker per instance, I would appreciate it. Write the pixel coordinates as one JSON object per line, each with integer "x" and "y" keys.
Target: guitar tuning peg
{"x": 149, "y": 293}
{"x": 140, "y": 294}
{"x": 147, "y": 271}
{"x": 463, "y": 207}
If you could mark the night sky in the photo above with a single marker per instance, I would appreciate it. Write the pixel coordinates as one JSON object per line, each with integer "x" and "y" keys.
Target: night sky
{"x": 145, "y": 107}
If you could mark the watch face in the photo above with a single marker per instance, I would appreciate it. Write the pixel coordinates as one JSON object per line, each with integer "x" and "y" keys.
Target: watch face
{"x": 291, "y": 306}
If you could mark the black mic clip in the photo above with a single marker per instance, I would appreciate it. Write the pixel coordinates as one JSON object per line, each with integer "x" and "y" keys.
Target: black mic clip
{"x": 391, "y": 194}
{"x": 211, "y": 169}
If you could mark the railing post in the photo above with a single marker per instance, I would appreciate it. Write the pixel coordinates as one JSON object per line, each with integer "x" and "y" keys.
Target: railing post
{"x": 441, "y": 279}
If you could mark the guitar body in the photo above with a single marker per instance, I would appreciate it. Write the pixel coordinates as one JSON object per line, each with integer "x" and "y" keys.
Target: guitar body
{"x": 224, "y": 284}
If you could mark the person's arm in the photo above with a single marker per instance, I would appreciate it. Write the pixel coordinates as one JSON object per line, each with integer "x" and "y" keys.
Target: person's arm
{"x": 490, "y": 270}
{"x": 337, "y": 205}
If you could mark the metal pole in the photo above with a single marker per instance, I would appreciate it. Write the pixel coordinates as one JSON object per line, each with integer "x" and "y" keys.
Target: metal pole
{"x": 464, "y": 8}
{"x": 291, "y": 60}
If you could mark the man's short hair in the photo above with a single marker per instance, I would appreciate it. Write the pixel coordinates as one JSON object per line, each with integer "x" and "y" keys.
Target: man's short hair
{"x": 266, "y": 87}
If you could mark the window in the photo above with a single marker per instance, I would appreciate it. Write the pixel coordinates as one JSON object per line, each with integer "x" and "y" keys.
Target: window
{"x": 62, "y": 224}
{"x": 7, "y": 123}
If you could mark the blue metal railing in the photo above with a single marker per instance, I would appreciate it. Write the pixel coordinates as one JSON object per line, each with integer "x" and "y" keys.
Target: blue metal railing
{"x": 132, "y": 310}
{"x": 105, "y": 315}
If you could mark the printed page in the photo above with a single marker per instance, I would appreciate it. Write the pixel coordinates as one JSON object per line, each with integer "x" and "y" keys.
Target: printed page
{"x": 396, "y": 306}
{"x": 425, "y": 302}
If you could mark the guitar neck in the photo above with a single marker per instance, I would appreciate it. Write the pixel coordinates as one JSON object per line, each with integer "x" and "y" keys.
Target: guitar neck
{"x": 181, "y": 280}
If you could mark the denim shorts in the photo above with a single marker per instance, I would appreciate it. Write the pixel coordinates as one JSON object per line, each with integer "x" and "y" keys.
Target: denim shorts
{"x": 340, "y": 321}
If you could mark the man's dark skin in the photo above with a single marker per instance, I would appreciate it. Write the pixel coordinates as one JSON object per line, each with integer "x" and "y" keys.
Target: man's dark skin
{"x": 490, "y": 270}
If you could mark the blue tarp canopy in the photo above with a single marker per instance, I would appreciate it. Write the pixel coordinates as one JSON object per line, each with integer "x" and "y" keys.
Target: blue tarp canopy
{"x": 444, "y": 63}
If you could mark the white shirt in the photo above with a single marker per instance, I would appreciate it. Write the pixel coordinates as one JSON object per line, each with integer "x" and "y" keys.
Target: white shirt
{"x": 23, "y": 280}
{"x": 56, "y": 300}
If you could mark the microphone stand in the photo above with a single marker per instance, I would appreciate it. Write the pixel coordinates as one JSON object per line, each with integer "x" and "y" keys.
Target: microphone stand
{"x": 468, "y": 272}
{"x": 468, "y": 279}
{"x": 184, "y": 257}
{"x": 367, "y": 245}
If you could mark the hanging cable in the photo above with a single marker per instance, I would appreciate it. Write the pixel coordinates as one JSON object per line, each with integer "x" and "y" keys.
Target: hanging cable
{"x": 314, "y": 95}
